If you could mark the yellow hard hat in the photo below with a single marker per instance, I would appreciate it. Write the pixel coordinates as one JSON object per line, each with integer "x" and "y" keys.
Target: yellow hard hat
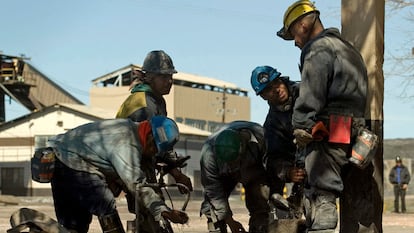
{"x": 293, "y": 13}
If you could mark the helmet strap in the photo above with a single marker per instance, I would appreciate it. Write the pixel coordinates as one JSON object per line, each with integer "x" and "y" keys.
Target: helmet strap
{"x": 315, "y": 17}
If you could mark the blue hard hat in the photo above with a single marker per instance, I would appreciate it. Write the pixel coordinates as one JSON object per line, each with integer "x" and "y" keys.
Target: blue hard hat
{"x": 262, "y": 76}
{"x": 165, "y": 132}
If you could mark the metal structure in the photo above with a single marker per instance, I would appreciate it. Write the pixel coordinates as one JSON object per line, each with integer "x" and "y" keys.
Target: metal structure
{"x": 27, "y": 86}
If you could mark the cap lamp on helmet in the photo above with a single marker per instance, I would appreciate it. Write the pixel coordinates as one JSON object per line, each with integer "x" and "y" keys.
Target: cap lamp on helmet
{"x": 262, "y": 76}
{"x": 296, "y": 11}
{"x": 398, "y": 159}
{"x": 158, "y": 62}
{"x": 227, "y": 146}
{"x": 165, "y": 132}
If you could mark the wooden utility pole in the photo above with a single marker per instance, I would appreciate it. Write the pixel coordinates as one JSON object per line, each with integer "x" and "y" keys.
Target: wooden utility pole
{"x": 223, "y": 105}
{"x": 362, "y": 202}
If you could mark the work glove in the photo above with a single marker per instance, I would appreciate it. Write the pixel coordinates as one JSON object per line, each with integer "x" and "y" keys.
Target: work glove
{"x": 319, "y": 131}
{"x": 182, "y": 179}
{"x": 175, "y": 216}
{"x": 173, "y": 160}
{"x": 302, "y": 137}
{"x": 296, "y": 174}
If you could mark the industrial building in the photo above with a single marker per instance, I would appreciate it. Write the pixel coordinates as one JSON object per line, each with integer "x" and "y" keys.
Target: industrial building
{"x": 200, "y": 105}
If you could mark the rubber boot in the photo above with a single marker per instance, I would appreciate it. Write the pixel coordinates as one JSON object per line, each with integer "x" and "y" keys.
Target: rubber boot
{"x": 218, "y": 227}
{"x": 111, "y": 223}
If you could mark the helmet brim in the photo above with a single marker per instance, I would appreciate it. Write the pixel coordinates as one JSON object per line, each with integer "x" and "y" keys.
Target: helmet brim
{"x": 284, "y": 34}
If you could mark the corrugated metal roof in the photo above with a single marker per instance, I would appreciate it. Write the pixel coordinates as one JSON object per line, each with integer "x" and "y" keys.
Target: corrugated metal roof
{"x": 178, "y": 76}
{"x": 204, "y": 80}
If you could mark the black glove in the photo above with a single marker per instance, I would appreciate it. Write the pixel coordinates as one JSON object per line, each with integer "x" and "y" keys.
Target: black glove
{"x": 175, "y": 216}
{"x": 173, "y": 160}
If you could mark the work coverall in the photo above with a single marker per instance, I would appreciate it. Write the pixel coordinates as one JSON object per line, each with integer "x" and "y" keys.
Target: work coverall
{"x": 219, "y": 180}
{"x": 278, "y": 133}
{"x": 333, "y": 82}
{"x": 89, "y": 159}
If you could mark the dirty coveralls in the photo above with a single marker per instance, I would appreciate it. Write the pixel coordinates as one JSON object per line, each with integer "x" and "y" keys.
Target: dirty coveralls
{"x": 140, "y": 105}
{"x": 219, "y": 180}
{"x": 278, "y": 133}
{"x": 89, "y": 158}
{"x": 333, "y": 81}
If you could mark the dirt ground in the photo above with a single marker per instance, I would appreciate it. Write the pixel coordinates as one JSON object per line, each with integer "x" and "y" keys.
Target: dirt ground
{"x": 392, "y": 222}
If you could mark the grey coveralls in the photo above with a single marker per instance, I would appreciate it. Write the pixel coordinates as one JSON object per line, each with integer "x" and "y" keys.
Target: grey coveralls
{"x": 90, "y": 158}
{"x": 333, "y": 81}
{"x": 220, "y": 180}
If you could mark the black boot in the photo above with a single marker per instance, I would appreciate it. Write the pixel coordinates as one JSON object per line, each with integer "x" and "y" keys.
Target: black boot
{"x": 111, "y": 223}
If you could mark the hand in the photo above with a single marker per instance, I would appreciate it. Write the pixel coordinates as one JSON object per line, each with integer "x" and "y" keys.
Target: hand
{"x": 175, "y": 216}
{"x": 174, "y": 160}
{"x": 234, "y": 225}
{"x": 404, "y": 186}
{"x": 296, "y": 174}
{"x": 302, "y": 137}
{"x": 182, "y": 179}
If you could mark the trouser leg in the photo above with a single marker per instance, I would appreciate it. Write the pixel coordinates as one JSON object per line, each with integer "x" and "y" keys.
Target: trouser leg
{"x": 403, "y": 209}
{"x": 111, "y": 223}
{"x": 321, "y": 212}
{"x": 257, "y": 203}
{"x": 78, "y": 195}
{"x": 396, "y": 198}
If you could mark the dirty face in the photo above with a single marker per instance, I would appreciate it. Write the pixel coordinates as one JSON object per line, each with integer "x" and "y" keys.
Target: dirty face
{"x": 161, "y": 83}
{"x": 276, "y": 93}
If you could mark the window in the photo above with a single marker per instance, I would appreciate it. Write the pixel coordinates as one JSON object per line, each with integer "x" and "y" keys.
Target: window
{"x": 41, "y": 140}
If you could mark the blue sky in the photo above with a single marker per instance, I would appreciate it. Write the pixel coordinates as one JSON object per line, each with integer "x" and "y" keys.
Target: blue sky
{"x": 73, "y": 42}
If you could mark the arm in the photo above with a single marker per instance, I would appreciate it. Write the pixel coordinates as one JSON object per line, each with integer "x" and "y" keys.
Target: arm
{"x": 317, "y": 69}
{"x": 182, "y": 179}
{"x": 127, "y": 162}
{"x": 391, "y": 176}
{"x": 212, "y": 184}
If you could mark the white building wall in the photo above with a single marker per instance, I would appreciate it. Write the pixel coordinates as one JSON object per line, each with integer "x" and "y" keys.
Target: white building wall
{"x": 50, "y": 124}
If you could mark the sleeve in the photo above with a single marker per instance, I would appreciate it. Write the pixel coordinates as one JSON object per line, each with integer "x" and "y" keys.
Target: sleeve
{"x": 212, "y": 184}
{"x": 407, "y": 176}
{"x": 127, "y": 163}
{"x": 315, "y": 77}
{"x": 281, "y": 149}
{"x": 391, "y": 176}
